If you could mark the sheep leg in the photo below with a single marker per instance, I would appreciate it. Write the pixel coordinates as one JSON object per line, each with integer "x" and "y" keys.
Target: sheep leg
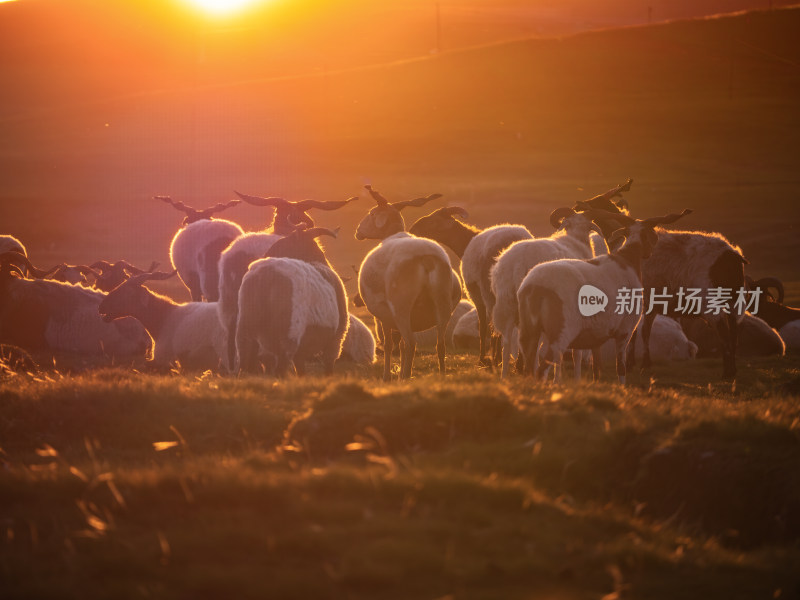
{"x": 621, "y": 345}
{"x": 647, "y": 327}
{"x": 596, "y": 365}
{"x": 192, "y": 282}
{"x": 246, "y": 353}
{"x": 408, "y": 347}
{"x": 728, "y": 333}
{"x": 577, "y": 359}
{"x": 388, "y": 348}
{"x": 441, "y": 346}
{"x": 483, "y": 323}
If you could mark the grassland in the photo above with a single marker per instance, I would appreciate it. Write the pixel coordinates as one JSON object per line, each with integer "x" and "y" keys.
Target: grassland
{"x": 128, "y": 485}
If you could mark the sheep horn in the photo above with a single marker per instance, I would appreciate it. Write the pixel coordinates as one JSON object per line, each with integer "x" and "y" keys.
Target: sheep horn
{"x": 6, "y": 257}
{"x": 615, "y": 191}
{"x": 379, "y": 199}
{"x": 558, "y": 215}
{"x": 101, "y": 264}
{"x": 151, "y": 276}
{"x": 323, "y": 204}
{"x": 596, "y": 214}
{"x": 415, "y": 202}
{"x": 315, "y": 232}
{"x": 771, "y": 282}
{"x": 619, "y": 234}
{"x": 259, "y": 201}
{"x": 666, "y": 219}
{"x": 84, "y": 270}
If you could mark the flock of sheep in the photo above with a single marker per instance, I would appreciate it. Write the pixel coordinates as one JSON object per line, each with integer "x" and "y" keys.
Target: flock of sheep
{"x": 269, "y": 301}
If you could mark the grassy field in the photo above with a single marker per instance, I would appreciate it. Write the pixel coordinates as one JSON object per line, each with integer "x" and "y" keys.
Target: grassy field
{"x": 128, "y": 485}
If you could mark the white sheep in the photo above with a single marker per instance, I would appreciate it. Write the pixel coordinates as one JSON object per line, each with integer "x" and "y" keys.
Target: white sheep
{"x": 668, "y": 343}
{"x": 233, "y": 264}
{"x": 466, "y": 335}
{"x": 571, "y": 240}
{"x": 45, "y": 316}
{"x": 188, "y": 333}
{"x": 292, "y": 307}
{"x": 195, "y": 251}
{"x": 478, "y": 251}
{"x": 406, "y": 282}
{"x": 359, "y": 343}
{"x": 196, "y": 247}
{"x": 549, "y": 301}
{"x": 790, "y": 333}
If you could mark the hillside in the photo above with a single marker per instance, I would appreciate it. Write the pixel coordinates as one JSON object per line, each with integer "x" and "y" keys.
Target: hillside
{"x": 701, "y": 113}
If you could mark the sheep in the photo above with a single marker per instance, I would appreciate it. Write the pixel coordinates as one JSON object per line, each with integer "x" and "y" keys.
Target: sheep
{"x": 406, "y": 282}
{"x": 478, "y": 251}
{"x": 549, "y": 303}
{"x": 110, "y": 275}
{"x": 790, "y": 334}
{"x": 684, "y": 260}
{"x": 50, "y": 317}
{"x": 292, "y": 307}
{"x": 668, "y": 343}
{"x": 771, "y": 308}
{"x": 571, "y": 240}
{"x": 9, "y": 243}
{"x": 466, "y": 335}
{"x": 359, "y": 343}
{"x": 233, "y": 264}
{"x": 754, "y": 336}
{"x": 291, "y": 214}
{"x": 75, "y": 274}
{"x": 189, "y": 333}
{"x": 195, "y": 248}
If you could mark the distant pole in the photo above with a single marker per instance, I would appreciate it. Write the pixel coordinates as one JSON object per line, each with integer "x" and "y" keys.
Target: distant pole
{"x": 438, "y": 28}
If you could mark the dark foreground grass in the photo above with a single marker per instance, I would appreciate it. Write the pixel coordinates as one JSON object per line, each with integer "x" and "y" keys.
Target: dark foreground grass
{"x": 125, "y": 485}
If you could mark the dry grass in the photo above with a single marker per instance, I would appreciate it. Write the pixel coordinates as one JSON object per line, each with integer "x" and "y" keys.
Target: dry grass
{"x": 117, "y": 483}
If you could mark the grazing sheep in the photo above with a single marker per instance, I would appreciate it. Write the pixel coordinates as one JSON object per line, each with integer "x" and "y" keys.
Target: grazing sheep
{"x": 466, "y": 335}
{"x": 292, "y": 307}
{"x": 359, "y": 343}
{"x": 406, "y": 282}
{"x": 549, "y": 300}
{"x": 188, "y": 333}
{"x": 233, "y": 264}
{"x": 755, "y": 337}
{"x": 44, "y": 316}
{"x": 668, "y": 343}
{"x": 478, "y": 251}
{"x": 571, "y": 240}
{"x": 790, "y": 334}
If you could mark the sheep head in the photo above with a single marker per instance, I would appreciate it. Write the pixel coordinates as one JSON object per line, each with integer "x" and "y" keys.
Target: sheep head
{"x": 385, "y": 219}
{"x": 569, "y": 220}
{"x": 606, "y": 202}
{"x": 302, "y": 244}
{"x": 289, "y": 215}
{"x": 765, "y": 284}
{"x": 113, "y": 274}
{"x": 643, "y": 231}
{"x": 130, "y": 297}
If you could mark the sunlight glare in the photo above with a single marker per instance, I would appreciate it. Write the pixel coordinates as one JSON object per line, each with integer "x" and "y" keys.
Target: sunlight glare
{"x": 221, "y": 7}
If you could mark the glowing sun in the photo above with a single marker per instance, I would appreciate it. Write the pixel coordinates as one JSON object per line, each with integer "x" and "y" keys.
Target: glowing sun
{"x": 221, "y": 7}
